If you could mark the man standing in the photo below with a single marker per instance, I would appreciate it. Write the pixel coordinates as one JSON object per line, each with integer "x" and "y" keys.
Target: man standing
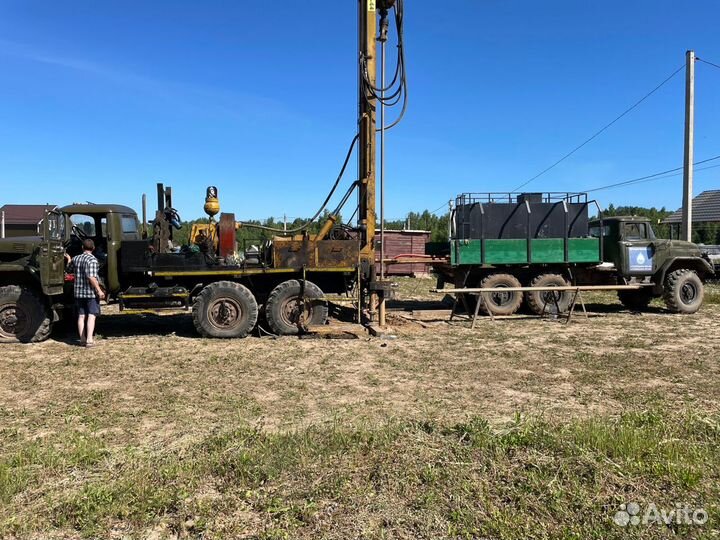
{"x": 87, "y": 291}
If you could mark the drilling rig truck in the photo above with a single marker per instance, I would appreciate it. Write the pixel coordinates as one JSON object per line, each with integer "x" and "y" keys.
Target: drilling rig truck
{"x": 293, "y": 275}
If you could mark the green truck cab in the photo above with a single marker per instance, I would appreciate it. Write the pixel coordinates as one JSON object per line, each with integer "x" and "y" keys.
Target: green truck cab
{"x": 675, "y": 269}
{"x": 109, "y": 226}
{"x": 35, "y": 290}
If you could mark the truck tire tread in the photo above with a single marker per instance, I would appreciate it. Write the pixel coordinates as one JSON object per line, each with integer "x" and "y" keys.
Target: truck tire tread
{"x": 239, "y": 295}
{"x": 40, "y": 325}
{"x": 284, "y": 292}
{"x": 535, "y": 301}
{"x": 672, "y": 293}
{"x": 507, "y": 280}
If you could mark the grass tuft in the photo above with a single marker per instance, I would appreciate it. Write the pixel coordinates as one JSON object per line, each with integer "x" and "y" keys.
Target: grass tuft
{"x": 534, "y": 477}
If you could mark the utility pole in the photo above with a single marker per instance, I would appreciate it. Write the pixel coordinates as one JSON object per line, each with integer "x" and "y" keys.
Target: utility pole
{"x": 686, "y": 232}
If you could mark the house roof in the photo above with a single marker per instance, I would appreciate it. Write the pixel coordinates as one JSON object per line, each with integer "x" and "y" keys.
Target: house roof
{"x": 24, "y": 214}
{"x": 705, "y": 208}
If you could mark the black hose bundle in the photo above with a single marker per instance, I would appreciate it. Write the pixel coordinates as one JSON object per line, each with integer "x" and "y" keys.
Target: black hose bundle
{"x": 396, "y": 91}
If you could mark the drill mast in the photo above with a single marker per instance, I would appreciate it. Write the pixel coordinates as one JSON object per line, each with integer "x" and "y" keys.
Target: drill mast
{"x": 367, "y": 29}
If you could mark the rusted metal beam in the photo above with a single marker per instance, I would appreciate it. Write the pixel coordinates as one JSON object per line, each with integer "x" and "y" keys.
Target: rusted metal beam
{"x": 367, "y": 70}
{"x": 367, "y": 124}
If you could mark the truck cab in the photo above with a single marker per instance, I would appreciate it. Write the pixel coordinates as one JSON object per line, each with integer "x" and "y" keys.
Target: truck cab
{"x": 673, "y": 269}
{"x": 108, "y": 225}
{"x": 630, "y": 243}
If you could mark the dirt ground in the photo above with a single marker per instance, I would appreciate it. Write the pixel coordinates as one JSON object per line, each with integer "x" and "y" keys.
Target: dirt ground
{"x": 134, "y": 438}
{"x": 151, "y": 382}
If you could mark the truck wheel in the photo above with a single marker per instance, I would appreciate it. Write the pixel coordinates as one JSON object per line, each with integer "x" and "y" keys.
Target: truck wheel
{"x": 23, "y": 316}
{"x": 225, "y": 310}
{"x": 551, "y": 302}
{"x": 684, "y": 291}
{"x": 636, "y": 300}
{"x": 505, "y": 303}
{"x": 292, "y": 306}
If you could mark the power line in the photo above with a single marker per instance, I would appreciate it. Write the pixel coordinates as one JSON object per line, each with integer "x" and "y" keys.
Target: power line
{"x": 439, "y": 208}
{"x": 707, "y": 62}
{"x": 656, "y": 176}
{"x": 597, "y": 133}
{"x": 653, "y": 179}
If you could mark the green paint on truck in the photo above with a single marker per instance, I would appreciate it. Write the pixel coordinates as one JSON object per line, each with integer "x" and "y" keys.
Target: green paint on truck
{"x": 515, "y": 251}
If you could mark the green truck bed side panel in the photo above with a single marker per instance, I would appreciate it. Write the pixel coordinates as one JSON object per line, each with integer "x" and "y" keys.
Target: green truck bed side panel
{"x": 466, "y": 252}
{"x": 548, "y": 250}
{"x": 584, "y": 250}
{"x": 496, "y": 252}
{"x": 514, "y": 251}
{"x": 506, "y": 251}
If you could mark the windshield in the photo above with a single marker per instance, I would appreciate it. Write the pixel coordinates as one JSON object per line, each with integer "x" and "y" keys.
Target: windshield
{"x": 85, "y": 224}
{"x": 635, "y": 231}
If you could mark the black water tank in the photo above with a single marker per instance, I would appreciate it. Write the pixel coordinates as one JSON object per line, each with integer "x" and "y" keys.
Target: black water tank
{"x": 530, "y": 197}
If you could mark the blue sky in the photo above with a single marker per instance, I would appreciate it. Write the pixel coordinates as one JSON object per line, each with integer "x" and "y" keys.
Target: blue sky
{"x": 100, "y": 100}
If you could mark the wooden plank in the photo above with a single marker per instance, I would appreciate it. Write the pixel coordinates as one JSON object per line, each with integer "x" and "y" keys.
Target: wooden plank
{"x": 377, "y": 331}
{"x": 524, "y": 289}
{"x": 421, "y": 313}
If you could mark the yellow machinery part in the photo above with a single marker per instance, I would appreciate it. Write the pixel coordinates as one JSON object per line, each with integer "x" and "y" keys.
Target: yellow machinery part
{"x": 212, "y": 206}
{"x": 201, "y": 231}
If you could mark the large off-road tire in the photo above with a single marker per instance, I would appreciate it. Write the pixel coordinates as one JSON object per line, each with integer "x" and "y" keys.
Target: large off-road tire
{"x": 225, "y": 309}
{"x": 636, "y": 300}
{"x": 24, "y": 317}
{"x": 548, "y": 302}
{"x": 684, "y": 291}
{"x": 293, "y": 305}
{"x": 505, "y": 303}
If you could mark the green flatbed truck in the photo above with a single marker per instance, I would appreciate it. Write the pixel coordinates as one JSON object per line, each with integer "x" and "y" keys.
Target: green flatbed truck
{"x": 547, "y": 239}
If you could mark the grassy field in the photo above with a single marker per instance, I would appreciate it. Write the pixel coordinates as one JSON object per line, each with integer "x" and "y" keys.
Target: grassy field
{"x": 522, "y": 428}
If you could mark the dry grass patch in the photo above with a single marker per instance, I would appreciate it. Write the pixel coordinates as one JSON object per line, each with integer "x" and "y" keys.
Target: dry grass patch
{"x": 158, "y": 431}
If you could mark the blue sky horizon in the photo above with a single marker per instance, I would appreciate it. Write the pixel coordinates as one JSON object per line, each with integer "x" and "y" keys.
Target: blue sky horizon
{"x": 99, "y": 101}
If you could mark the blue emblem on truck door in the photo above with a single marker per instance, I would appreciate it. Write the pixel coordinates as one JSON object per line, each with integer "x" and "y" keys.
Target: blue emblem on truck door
{"x": 641, "y": 259}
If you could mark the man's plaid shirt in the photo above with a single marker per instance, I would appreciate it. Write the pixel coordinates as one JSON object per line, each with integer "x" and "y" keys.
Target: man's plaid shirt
{"x": 84, "y": 266}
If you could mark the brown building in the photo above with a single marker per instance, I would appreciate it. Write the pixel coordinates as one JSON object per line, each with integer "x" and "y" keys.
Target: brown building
{"x": 402, "y": 243}
{"x": 22, "y": 219}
